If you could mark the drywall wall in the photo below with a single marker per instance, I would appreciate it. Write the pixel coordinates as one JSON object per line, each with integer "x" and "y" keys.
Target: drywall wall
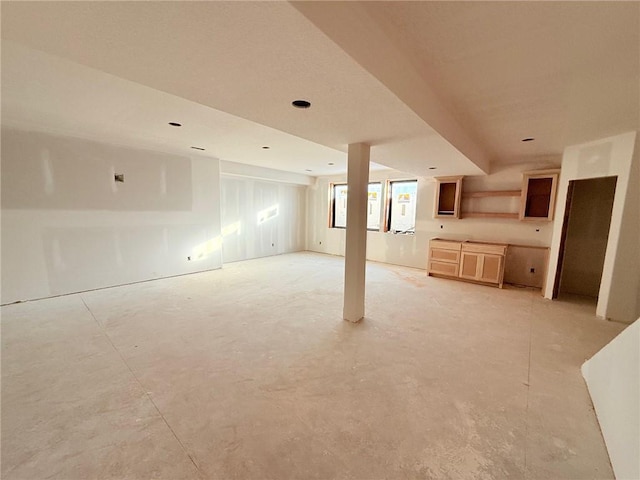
{"x": 261, "y": 218}
{"x": 261, "y": 173}
{"x": 587, "y": 233}
{"x": 613, "y": 379}
{"x": 412, "y": 250}
{"x": 624, "y": 296}
{"x": 611, "y": 156}
{"x": 68, "y": 226}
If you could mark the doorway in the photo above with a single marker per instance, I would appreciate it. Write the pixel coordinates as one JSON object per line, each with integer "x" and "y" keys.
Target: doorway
{"x": 583, "y": 243}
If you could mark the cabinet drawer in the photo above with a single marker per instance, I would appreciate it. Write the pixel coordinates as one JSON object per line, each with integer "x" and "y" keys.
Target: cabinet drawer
{"x": 445, "y": 244}
{"x": 441, "y": 268}
{"x": 441, "y": 255}
{"x": 495, "y": 249}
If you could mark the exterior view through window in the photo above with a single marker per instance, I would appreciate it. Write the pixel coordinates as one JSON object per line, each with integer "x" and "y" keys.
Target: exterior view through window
{"x": 339, "y": 206}
{"x": 374, "y": 205}
{"x": 339, "y": 202}
{"x": 402, "y": 212}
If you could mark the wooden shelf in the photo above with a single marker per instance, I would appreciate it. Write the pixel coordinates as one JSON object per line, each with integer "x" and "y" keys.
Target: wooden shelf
{"x": 493, "y": 193}
{"x": 513, "y": 216}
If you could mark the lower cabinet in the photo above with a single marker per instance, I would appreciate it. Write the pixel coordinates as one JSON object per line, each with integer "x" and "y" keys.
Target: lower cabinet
{"x": 474, "y": 261}
{"x": 482, "y": 267}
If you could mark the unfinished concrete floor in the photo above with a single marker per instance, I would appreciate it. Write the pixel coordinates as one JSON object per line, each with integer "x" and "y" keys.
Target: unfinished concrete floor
{"x": 249, "y": 372}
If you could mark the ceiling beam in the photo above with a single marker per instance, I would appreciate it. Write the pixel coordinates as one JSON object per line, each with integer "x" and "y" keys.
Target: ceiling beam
{"x": 350, "y": 26}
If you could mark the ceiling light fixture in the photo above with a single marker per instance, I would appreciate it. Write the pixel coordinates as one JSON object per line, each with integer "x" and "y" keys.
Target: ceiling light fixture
{"x": 330, "y": 163}
{"x": 528, "y": 139}
{"x": 307, "y": 170}
{"x": 198, "y": 148}
{"x": 175, "y": 124}
{"x": 301, "y": 103}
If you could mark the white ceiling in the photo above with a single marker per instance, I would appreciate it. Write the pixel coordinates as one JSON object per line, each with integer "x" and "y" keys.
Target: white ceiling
{"x": 561, "y": 72}
{"x": 46, "y": 93}
{"x": 481, "y": 74}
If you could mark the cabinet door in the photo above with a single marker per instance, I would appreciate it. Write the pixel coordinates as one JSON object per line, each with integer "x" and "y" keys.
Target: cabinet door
{"x": 491, "y": 268}
{"x": 470, "y": 265}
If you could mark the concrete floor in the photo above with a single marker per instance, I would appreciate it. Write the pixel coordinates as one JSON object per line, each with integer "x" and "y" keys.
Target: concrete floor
{"x": 249, "y": 372}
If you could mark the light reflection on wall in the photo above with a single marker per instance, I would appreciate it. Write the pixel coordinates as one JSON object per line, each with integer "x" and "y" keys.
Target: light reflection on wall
{"x": 203, "y": 250}
{"x": 268, "y": 213}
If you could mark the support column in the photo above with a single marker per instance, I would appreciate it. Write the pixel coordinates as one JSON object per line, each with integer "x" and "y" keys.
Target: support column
{"x": 355, "y": 255}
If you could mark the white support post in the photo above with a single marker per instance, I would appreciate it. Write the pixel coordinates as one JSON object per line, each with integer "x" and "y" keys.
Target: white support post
{"x": 355, "y": 257}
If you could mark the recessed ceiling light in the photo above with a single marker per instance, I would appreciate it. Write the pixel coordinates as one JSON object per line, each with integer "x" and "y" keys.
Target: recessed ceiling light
{"x": 307, "y": 170}
{"x": 301, "y": 103}
{"x": 330, "y": 163}
{"x": 432, "y": 168}
{"x": 528, "y": 139}
{"x": 175, "y": 124}
{"x": 266, "y": 147}
{"x": 198, "y": 148}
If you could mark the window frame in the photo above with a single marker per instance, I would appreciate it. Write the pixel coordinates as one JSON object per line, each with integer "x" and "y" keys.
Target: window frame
{"x": 380, "y": 210}
{"x": 332, "y": 204}
{"x": 389, "y": 206}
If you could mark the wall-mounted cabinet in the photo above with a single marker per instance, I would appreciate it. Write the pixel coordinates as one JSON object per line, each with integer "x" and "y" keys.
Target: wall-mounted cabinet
{"x": 448, "y": 195}
{"x": 538, "y": 195}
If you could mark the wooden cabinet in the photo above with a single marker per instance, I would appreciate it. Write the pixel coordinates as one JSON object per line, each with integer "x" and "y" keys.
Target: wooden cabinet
{"x": 448, "y": 195}
{"x": 444, "y": 257}
{"x": 483, "y": 262}
{"x": 473, "y": 261}
{"x": 538, "y": 195}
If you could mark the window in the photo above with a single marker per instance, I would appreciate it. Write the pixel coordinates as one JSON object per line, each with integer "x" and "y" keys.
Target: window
{"x": 374, "y": 204}
{"x": 339, "y": 206}
{"x": 403, "y": 197}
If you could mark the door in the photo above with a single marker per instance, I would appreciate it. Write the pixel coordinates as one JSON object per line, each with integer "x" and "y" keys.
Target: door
{"x": 584, "y": 236}
{"x": 470, "y": 265}
{"x": 491, "y": 268}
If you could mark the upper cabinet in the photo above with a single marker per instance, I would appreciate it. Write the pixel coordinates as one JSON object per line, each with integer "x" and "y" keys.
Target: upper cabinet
{"x": 538, "y": 194}
{"x": 448, "y": 194}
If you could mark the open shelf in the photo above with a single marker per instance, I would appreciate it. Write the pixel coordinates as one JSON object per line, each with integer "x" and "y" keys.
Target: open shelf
{"x": 512, "y": 216}
{"x": 492, "y": 193}
{"x": 483, "y": 199}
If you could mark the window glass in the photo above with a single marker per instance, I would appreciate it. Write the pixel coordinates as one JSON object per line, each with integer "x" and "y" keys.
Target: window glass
{"x": 404, "y": 195}
{"x": 340, "y": 206}
{"x": 374, "y": 205}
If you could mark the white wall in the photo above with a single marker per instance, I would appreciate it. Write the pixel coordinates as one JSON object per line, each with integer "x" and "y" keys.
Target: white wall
{"x": 613, "y": 379}
{"x": 612, "y": 156}
{"x": 625, "y": 284}
{"x": 67, "y": 226}
{"x": 261, "y": 218}
{"x": 411, "y": 250}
